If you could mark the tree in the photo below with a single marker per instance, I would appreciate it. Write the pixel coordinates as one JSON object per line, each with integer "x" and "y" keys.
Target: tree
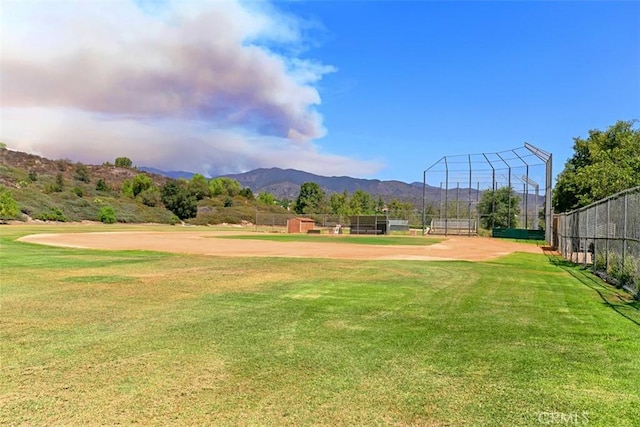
{"x": 285, "y": 203}
{"x": 223, "y": 186}
{"x": 177, "y": 198}
{"x": 361, "y": 203}
{"x": 339, "y": 203}
{"x": 499, "y": 208}
{"x": 247, "y": 193}
{"x": 199, "y": 186}
{"x": 141, "y": 182}
{"x": 603, "y": 164}
{"x": 396, "y": 206}
{"x": 8, "y": 206}
{"x": 123, "y": 162}
{"x": 266, "y": 198}
{"x": 310, "y": 200}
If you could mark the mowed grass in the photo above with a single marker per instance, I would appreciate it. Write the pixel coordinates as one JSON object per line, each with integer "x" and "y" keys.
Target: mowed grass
{"x": 98, "y": 337}
{"x": 351, "y": 239}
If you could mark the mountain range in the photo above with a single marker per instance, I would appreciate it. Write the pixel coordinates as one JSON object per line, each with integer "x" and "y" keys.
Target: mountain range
{"x": 285, "y": 183}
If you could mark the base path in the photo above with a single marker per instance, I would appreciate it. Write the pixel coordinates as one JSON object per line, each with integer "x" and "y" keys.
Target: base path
{"x": 209, "y": 243}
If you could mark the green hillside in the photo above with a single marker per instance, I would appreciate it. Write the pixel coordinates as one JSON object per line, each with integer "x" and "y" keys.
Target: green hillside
{"x": 40, "y": 189}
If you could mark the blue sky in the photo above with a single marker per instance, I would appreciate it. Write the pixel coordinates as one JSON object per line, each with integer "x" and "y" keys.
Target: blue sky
{"x": 369, "y": 89}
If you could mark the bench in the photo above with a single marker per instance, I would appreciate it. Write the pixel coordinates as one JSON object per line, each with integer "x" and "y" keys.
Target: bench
{"x": 364, "y": 230}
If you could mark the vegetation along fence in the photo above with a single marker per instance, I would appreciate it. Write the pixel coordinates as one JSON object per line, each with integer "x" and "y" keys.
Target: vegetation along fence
{"x": 605, "y": 236}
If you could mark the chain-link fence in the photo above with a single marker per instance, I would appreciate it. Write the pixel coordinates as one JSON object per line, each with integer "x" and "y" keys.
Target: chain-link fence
{"x": 605, "y": 236}
{"x": 400, "y": 221}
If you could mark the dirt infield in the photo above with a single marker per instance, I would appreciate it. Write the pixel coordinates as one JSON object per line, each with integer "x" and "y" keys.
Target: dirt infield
{"x": 206, "y": 243}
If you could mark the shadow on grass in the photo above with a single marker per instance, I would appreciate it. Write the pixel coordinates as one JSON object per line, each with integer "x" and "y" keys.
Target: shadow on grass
{"x": 593, "y": 282}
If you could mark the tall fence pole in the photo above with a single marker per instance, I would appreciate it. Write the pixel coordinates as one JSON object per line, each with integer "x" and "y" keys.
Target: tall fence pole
{"x": 424, "y": 202}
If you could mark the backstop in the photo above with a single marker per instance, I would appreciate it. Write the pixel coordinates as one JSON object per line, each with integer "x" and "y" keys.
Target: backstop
{"x": 453, "y": 187}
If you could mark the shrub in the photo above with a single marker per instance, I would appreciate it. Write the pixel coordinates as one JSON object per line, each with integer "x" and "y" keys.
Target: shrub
{"x": 150, "y": 197}
{"x": 107, "y": 215}
{"x": 59, "y": 182}
{"x": 33, "y": 176}
{"x": 127, "y": 188}
{"x": 625, "y": 272}
{"x": 78, "y": 191}
{"x": 62, "y": 164}
{"x": 8, "y": 206}
{"x": 52, "y": 214}
{"x": 82, "y": 173}
{"x": 601, "y": 261}
{"x": 55, "y": 187}
{"x": 101, "y": 185}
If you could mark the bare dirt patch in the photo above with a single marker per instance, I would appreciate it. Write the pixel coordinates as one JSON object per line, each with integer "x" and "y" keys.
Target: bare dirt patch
{"x": 205, "y": 243}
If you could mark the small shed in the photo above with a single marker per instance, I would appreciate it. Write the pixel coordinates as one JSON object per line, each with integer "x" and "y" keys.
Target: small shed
{"x": 300, "y": 225}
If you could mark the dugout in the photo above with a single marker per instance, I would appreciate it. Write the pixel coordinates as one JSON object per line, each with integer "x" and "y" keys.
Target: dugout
{"x": 398, "y": 225}
{"x": 369, "y": 224}
{"x": 300, "y": 225}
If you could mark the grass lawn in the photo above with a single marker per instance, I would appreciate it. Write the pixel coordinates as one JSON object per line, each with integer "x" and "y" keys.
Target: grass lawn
{"x": 108, "y": 337}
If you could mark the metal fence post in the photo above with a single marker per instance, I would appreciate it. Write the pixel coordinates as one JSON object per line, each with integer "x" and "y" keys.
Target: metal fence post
{"x": 595, "y": 238}
{"x": 585, "y": 240}
{"x": 608, "y": 231}
{"x": 624, "y": 232}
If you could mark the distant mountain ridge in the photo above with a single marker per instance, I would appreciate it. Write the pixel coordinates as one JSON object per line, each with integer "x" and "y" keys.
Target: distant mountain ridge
{"x": 169, "y": 174}
{"x": 285, "y": 183}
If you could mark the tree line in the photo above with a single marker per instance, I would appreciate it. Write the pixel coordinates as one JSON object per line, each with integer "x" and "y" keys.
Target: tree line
{"x": 312, "y": 199}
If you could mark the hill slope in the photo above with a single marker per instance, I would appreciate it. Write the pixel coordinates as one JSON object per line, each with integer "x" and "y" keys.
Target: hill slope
{"x": 61, "y": 190}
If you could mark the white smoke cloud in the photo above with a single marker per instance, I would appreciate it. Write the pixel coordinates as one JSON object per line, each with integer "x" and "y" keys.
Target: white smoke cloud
{"x": 190, "y": 85}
